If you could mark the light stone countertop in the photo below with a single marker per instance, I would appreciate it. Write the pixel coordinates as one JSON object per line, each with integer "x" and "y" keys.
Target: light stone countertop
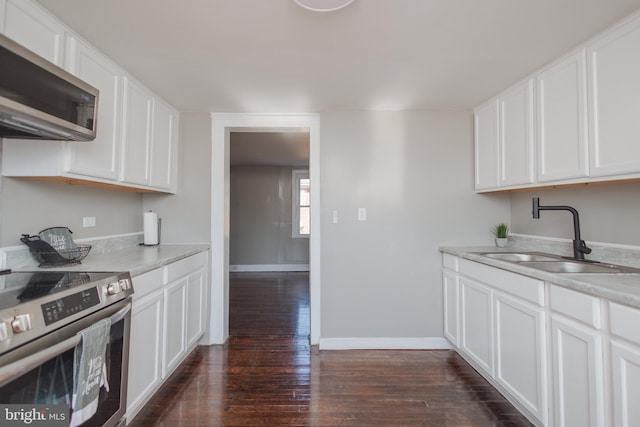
{"x": 135, "y": 259}
{"x": 620, "y": 288}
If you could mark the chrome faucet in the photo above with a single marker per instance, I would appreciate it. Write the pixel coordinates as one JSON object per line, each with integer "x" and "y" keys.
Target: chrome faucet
{"x": 579, "y": 246}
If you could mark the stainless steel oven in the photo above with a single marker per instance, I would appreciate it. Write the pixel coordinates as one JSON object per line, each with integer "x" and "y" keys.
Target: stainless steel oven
{"x": 42, "y": 314}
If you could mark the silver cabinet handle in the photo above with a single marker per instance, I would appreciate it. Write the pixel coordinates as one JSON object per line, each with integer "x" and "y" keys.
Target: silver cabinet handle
{"x": 14, "y": 370}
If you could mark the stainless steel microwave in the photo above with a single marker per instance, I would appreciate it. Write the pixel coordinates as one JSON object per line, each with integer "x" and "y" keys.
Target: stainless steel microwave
{"x": 39, "y": 100}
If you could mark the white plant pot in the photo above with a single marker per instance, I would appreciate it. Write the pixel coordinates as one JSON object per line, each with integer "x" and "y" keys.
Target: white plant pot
{"x": 501, "y": 242}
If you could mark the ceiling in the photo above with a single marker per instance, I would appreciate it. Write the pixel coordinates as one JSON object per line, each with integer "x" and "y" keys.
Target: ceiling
{"x": 274, "y": 56}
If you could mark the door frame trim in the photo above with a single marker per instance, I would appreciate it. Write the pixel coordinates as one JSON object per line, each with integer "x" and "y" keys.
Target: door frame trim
{"x": 221, "y": 126}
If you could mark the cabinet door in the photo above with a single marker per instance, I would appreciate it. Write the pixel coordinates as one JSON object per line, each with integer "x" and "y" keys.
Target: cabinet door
{"x": 164, "y": 146}
{"x": 35, "y": 29}
{"x": 578, "y": 387}
{"x": 486, "y": 146}
{"x": 174, "y": 325}
{"x": 476, "y": 333}
{"x": 520, "y": 353}
{"x": 136, "y": 133}
{"x": 562, "y": 120}
{"x": 626, "y": 384}
{"x": 450, "y": 293}
{"x": 195, "y": 308}
{"x": 145, "y": 352}
{"x": 614, "y": 101}
{"x": 516, "y": 135}
{"x": 100, "y": 157}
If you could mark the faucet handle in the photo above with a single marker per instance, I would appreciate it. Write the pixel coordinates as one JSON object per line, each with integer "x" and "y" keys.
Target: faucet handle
{"x": 584, "y": 248}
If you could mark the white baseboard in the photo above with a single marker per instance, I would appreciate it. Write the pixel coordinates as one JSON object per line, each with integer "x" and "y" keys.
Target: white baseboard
{"x": 426, "y": 343}
{"x": 268, "y": 267}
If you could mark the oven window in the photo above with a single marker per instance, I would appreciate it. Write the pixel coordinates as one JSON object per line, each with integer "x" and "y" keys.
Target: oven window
{"x": 52, "y": 382}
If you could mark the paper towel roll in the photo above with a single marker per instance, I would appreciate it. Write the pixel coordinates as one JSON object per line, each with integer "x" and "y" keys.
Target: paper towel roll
{"x": 151, "y": 228}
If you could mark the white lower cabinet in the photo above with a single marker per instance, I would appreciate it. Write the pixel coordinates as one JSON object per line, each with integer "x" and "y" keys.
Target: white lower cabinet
{"x": 626, "y": 384}
{"x": 450, "y": 291}
{"x": 168, "y": 318}
{"x": 577, "y": 363}
{"x": 625, "y": 362}
{"x": 195, "y": 315}
{"x": 564, "y": 358}
{"x": 520, "y": 352}
{"x": 476, "y": 331}
{"x": 145, "y": 351}
{"x": 175, "y": 295}
{"x": 577, "y": 359}
{"x": 502, "y": 331}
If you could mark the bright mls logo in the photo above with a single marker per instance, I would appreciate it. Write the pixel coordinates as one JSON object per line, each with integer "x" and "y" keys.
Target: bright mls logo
{"x": 34, "y": 415}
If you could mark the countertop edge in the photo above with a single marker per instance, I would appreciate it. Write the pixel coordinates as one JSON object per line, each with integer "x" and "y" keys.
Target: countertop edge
{"x": 611, "y": 287}
{"x": 166, "y": 261}
{"x": 136, "y": 260}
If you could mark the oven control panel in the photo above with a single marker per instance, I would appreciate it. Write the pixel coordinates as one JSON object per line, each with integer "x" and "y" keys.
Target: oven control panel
{"x": 68, "y": 306}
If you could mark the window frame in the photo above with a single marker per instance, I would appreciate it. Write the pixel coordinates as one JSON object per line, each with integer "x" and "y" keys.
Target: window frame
{"x": 296, "y": 176}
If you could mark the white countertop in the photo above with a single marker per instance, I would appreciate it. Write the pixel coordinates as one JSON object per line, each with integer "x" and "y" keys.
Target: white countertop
{"x": 136, "y": 259}
{"x": 621, "y": 288}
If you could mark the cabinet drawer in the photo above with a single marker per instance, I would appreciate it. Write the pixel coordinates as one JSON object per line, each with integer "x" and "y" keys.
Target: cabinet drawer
{"x": 147, "y": 283}
{"x": 624, "y": 322}
{"x": 185, "y": 266}
{"x": 524, "y": 287}
{"x": 450, "y": 262}
{"x": 579, "y": 306}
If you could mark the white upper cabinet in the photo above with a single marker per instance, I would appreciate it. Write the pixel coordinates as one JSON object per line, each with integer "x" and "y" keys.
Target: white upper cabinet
{"x": 575, "y": 121}
{"x": 486, "y": 146}
{"x": 562, "y": 120}
{"x": 136, "y": 146}
{"x": 100, "y": 157}
{"x": 149, "y": 139}
{"x": 136, "y": 133}
{"x": 614, "y": 90}
{"x": 35, "y": 29}
{"x": 503, "y": 139}
{"x": 164, "y": 146}
{"x": 516, "y": 135}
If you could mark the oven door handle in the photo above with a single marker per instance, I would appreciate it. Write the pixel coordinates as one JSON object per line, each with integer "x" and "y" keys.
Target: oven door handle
{"x": 20, "y": 367}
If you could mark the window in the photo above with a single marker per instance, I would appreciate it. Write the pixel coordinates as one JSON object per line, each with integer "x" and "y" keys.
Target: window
{"x": 301, "y": 203}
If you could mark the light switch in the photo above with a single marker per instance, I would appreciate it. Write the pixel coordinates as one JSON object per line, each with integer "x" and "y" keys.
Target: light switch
{"x": 362, "y": 214}
{"x": 335, "y": 217}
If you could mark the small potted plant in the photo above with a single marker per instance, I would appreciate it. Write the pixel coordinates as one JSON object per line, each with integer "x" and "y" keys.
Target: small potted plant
{"x": 501, "y": 231}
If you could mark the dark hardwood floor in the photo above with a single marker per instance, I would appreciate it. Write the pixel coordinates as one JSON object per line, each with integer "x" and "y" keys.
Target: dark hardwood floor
{"x": 268, "y": 375}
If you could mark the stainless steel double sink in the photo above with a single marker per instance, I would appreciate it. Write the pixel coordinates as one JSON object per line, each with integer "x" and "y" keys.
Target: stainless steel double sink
{"x": 556, "y": 264}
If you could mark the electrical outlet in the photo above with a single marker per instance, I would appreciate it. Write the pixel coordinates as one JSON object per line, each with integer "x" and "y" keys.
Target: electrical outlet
{"x": 89, "y": 221}
{"x": 362, "y": 214}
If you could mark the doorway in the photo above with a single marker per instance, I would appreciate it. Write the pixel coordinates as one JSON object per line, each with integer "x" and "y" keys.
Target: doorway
{"x": 269, "y": 201}
{"x": 222, "y": 127}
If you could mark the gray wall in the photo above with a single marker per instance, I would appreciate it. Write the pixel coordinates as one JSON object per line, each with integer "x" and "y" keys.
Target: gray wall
{"x": 413, "y": 171}
{"x": 609, "y": 213}
{"x": 261, "y": 218}
{"x": 186, "y": 216}
{"x": 28, "y": 206}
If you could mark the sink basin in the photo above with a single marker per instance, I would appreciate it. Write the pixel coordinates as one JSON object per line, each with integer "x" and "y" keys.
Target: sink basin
{"x": 577, "y": 267}
{"x": 519, "y": 256}
{"x": 556, "y": 264}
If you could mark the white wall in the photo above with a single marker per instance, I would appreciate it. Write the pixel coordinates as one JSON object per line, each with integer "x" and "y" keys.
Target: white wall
{"x": 261, "y": 218}
{"x": 28, "y": 206}
{"x": 413, "y": 171}
{"x": 186, "y": 216}
{"x": 609, "y": 213}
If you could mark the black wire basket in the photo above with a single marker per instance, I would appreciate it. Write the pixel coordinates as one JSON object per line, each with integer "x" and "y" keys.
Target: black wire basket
{"x": 66, "y": 251}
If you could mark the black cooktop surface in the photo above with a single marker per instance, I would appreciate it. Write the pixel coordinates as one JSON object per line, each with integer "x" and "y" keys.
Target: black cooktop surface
{"x": 22, "y": 286}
